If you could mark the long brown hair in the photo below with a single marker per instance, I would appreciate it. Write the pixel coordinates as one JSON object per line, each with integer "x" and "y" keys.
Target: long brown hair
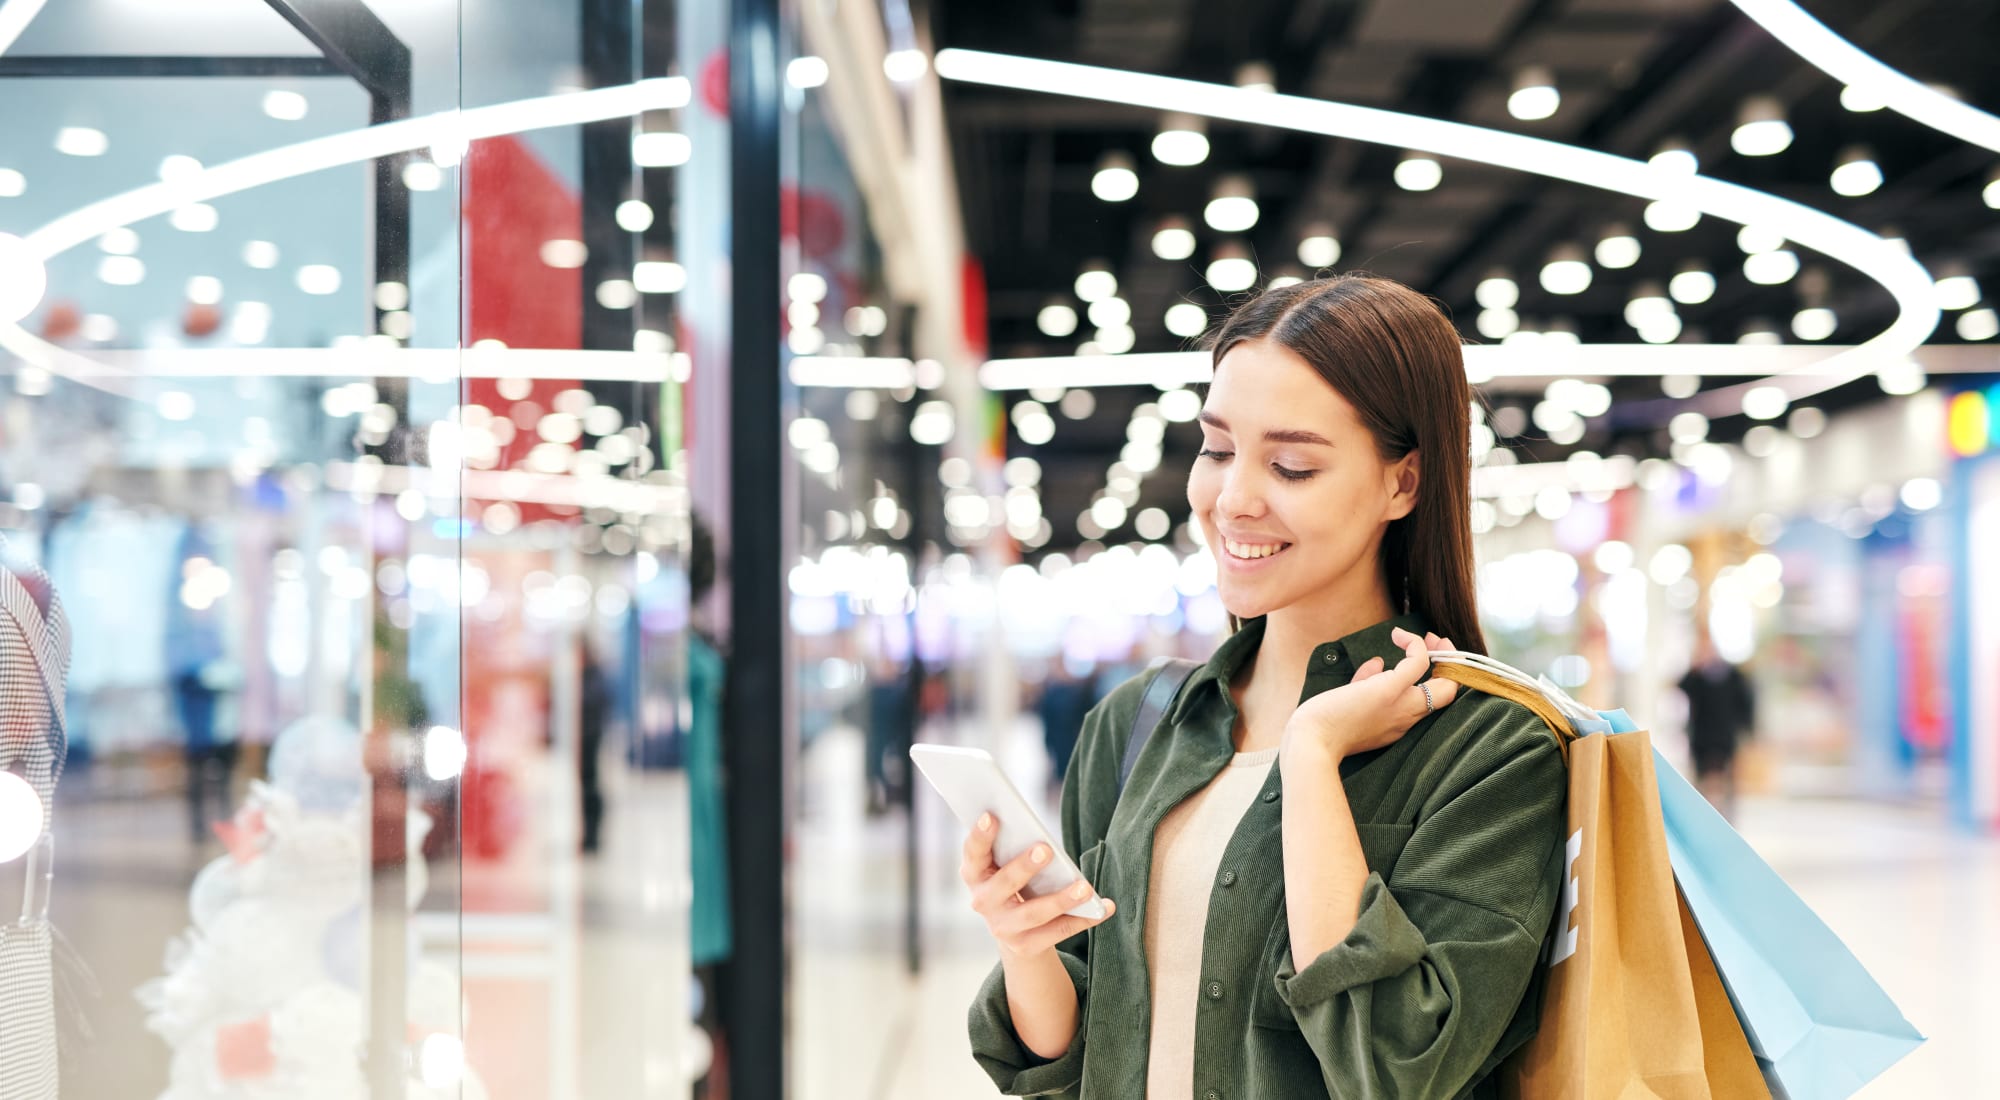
{"x": 1392, "y": 354}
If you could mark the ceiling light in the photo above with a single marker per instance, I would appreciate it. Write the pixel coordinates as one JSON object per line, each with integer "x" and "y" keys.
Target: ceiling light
{"x": 1186, "y": 320}
{"x": 262, "y": 255}
{"x": 1497, "y": 291}
{"x": 1110, "y": 312}
{"x": 204, "y": 290}
{"x": 1675, "y": 157}
{"x": 1671, "y": 216}
{"x": 1990, "y": 195}
{"x": 121, "y": 270}
{"x": 1680, "y": 387}
{"x": 23, "y": 279}
{"x": 12, "y": 183}
{"x": 1902, "y": 378}
{"x": 1497, "y": 323}
{"x": 659, "y": 277}
{"x": 1765, "y": 403}
{"x": 1753, "y": 239}
{"x": 1761, "y": 129}
{"x": 806, "y": 286}
{"x": 81, "y": 141}
{"x": 1663, "y": 329}
{"x": 195, "y": 217}
{"x": 1182, "y": 140}
{"x": 661, "y": 149}
{"x": 1956, "y": 289}
{"x": 319, "y": 278}
{"x": 1096, "y": 281}
{"x": 285, "y": 105}
{"x": 1115, "y": 339}
{"x": 1856, "y": 174}
{"x": 1535, "y": 96}
{"x": 806, "y": 72}
{"x": 1771, "y": 268}
{"x": 1567, "y": 272}
{"x": 905, "y": 66}
{"x": 1417, "y": 172}
{"x": 1173, "y": 240}
{"x": 1814, "y": 323}
{"x": 1115, "y": 180}
{"x": 634, "y": 216}
{"x": 1231, "y": 270}
{"x": 1056, "y": 320}
{"x": 1760, "y": 334}
{"x": 1232, "y": 209}
{"x": 1618, "y": 249}
{"x": 1978, "y": 324}
{"x": 1256, "y": 76}
{"x": 422, "y": 175}
{"x": 1838, "y": 58}
{"x": 1806, "y": 422}
{"x": 1648, "y": 303}
{"x": 100, "y": 328}
{"x": 1688, "y": 427}
{"x": 122, "y": 241}
{"x": 178, "y": 167}
{"x": 1860, "y": 99}
{"x": 1692, "y": 286}
{"x": 1321, "y": 248}
{"x": 391, "y": 296}
{"x": 564, "y": 254}
{"x": 1282, "y": 281}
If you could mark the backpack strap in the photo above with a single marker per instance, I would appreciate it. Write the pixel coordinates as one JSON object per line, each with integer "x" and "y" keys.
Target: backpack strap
{"x": 1169, "y": 673}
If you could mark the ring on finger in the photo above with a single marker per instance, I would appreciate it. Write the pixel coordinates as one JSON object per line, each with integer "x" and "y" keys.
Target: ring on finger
{"x": 1430, "y": 704}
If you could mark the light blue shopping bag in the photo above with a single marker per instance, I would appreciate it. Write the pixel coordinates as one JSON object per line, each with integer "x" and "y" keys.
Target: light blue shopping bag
{"x": 1819, "y": 1025}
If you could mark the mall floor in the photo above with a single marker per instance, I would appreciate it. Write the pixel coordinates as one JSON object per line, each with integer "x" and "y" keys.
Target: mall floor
{"x": 1918, "y": 901}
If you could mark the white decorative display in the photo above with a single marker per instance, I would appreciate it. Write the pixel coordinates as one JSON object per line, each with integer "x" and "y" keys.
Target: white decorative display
{"x": 263, "y": 994}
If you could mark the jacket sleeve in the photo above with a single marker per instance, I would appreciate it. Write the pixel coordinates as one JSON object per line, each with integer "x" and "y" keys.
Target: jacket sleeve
{"x": 1415, "y": 1000}
{"x": 1090, "y": 793}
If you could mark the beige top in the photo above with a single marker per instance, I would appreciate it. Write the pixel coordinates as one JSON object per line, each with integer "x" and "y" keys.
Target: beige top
{"x": 1187, "y": 853}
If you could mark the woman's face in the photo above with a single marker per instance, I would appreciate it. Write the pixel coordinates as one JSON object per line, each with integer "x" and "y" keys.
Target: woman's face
{"x": 1290, "y": 492}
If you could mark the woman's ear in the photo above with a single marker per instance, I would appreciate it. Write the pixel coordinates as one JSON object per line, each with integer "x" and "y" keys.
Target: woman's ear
{"x": 1404, "y": 480}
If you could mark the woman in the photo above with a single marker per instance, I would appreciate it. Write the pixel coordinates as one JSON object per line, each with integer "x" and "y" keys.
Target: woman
{"x": 1332, "y": 877}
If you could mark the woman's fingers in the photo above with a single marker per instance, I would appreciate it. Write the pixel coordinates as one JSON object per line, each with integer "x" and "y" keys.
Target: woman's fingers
{"x": 1056, "y": 931}
{"x": 1371, "y": 667}
{"x": 996, "y": 892}
{"x": 1032, "y": 914}
{"x": 977, "y": 865}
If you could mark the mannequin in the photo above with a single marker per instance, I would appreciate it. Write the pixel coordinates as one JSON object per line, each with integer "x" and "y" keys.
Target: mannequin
{"x": 34, "y": 662}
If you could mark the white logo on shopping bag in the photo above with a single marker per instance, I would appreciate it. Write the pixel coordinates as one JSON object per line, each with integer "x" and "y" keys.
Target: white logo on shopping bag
{"x": 1564, "y": 945}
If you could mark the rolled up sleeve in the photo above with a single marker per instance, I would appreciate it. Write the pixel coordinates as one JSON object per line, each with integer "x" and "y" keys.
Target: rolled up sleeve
{"x": 996, "y": 1046}
{"x": 1413, "y": 1002}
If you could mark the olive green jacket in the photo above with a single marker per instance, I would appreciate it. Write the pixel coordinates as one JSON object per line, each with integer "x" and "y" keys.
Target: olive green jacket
{"x": 1461, "y": 822}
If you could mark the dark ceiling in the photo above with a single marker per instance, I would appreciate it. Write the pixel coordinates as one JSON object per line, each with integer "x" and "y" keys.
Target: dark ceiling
{"x": 1633, "y": 74}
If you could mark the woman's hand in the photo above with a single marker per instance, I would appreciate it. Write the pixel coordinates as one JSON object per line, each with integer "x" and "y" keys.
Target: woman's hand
{"x": 1023, "y": 928}
{"x": 1377, "y": 708}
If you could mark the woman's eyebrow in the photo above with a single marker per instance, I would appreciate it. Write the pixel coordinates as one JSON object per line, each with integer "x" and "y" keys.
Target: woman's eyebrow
{"x": 1275, "y": 435}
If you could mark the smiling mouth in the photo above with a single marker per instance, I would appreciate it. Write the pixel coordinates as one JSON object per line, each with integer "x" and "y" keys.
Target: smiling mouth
{"x": 1253, "y": 551}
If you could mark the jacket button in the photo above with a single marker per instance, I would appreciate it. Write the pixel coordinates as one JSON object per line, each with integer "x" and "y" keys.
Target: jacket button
{"x": 1229, "y": 878}
{"x": 1211, "y": 1094}
{"x": 1215, "y": 991}
{"x": 1330, "y": 657}
{"x": 1270, "y": 796}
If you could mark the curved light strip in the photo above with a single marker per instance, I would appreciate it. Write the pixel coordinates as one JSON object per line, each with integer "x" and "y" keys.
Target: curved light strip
{"x": 1904, "y": 278}
{"x": 15, "y": 15}
{"x": 1844, "y": 61}
{"x": 333, "y": 150}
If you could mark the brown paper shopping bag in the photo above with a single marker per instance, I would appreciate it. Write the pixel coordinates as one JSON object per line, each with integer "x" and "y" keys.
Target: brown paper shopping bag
{"x": 1623, "y": 1009}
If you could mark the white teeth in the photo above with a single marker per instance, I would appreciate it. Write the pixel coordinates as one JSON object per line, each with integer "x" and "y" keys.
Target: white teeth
{"x": 1252, "y": 551}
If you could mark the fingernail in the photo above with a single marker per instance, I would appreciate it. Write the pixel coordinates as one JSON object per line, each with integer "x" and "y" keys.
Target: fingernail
{"x": 1110, "y": 906}
{"x": 1082, "y": 890}
{"x": 985, "y": 822}
{"x": 1041, "y": 854}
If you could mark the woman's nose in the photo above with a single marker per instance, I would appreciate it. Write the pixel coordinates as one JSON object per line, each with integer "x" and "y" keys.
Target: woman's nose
{"x": 1237, "y": 498}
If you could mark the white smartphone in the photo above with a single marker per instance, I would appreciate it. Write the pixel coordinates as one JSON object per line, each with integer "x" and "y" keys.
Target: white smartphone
{"x": 973, "y": 784}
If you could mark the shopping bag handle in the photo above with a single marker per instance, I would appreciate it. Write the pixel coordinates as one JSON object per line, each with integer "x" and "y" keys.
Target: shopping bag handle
{"x": 1480, "y": 678}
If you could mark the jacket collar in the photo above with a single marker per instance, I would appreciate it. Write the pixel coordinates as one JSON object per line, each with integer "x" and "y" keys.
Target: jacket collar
{"x": 1331, "y": 665}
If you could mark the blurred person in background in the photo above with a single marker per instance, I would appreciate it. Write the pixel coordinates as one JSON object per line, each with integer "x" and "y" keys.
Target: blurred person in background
{"x": 890, "y": 720}
{"x": 711, "y": 936}
{"x": 1721, "y": 712}
{"x": 1335, "y": 878}
{"x": 1067, "y": 695}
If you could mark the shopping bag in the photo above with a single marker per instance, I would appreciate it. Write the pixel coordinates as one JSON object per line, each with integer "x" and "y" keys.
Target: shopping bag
{"x": 1820, "y": 1026}
{"x": 1620, "y": 1015}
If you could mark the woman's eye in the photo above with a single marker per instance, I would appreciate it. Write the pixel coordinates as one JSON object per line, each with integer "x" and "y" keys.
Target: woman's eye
{"x": 1290, "y": 474}
{"x": 1217, "y": 456}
